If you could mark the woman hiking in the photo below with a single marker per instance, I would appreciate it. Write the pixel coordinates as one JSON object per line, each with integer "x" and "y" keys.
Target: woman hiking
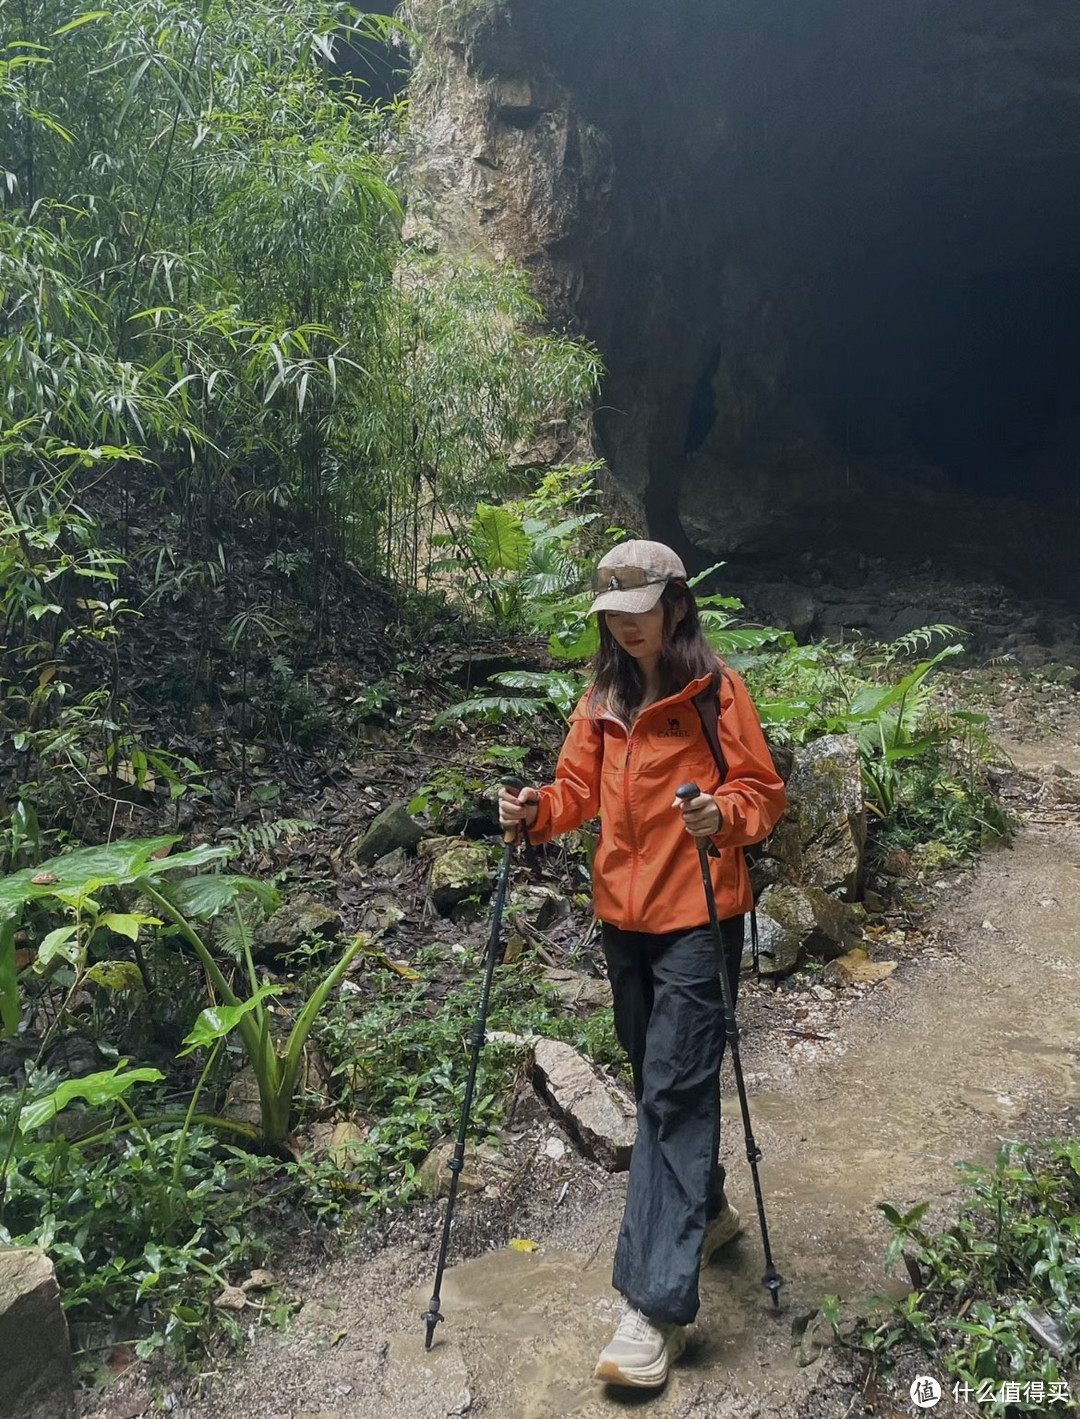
{"x": 634, "y": 738}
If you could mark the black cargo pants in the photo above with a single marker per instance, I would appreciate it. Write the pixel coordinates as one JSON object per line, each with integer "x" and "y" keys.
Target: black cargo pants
{"x": 669, "y": 1019}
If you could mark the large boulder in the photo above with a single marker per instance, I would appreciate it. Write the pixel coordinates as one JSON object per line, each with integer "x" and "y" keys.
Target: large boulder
{"x": 394, "y": 827}
{"x": 600, "y": 1119}
{"x": 821, "y": 837}
{"x": 797, "y": 920}
{"x": 35, "y": 1355}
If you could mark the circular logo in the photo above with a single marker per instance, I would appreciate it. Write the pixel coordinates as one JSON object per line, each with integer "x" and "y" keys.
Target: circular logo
{"x": 925, "y": 1391}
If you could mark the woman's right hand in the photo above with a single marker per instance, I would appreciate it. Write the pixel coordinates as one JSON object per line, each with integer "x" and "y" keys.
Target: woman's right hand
{"x": 516, "y": 808}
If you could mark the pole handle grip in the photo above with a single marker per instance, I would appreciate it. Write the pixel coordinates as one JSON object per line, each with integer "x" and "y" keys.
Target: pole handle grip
{"x": 687, "y": 791}
{"x": 511, "y": 835}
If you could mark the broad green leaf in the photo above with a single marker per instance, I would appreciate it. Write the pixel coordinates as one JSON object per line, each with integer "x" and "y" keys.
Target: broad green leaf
{"x": 202, "y": 897}
{"x": 498, "y": 540}
{"x": 217, "y": 1021}
{"x": 95, "y": 1089}
{"x": 126, "y": 923}
{"x": 581, "y": 648}
{"x": 58, "y": 945}
{"x": 78, "y": 874}
{"x": 116, "y": 975}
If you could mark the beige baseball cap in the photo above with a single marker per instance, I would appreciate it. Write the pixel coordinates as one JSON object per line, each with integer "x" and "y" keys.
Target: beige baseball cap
{"x": 632, "y": 576}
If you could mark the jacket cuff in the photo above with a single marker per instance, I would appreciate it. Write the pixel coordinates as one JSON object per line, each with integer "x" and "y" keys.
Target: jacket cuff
{"x": 540, "y": 832}
{"x": 726, "y": 831}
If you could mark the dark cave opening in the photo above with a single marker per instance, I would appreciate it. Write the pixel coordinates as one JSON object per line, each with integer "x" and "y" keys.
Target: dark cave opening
{"x": 837, "y": 284}
{"x": 977, "y": 374}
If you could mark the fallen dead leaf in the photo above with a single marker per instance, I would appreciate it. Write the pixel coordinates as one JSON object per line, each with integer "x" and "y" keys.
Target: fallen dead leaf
{"x": 523, "y": 1244}
{"x": 259, "y": 1281}
{"x": 232, "y": 1298}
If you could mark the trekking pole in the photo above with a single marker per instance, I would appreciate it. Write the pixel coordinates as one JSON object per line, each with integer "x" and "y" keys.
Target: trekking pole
{"x": 432, "y": 1315}
{"x": 772, "y": 1280}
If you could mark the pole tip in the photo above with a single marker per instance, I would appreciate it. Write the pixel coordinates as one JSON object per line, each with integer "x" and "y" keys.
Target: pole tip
{"x": 432, "y": 1317}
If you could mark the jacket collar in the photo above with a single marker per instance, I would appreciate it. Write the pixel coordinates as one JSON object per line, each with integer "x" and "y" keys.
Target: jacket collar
{"x": 684, "y": 696}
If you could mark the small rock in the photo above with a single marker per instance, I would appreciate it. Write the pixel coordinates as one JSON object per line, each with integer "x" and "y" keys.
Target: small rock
{"x": 259, "y": 1280}
{"x": 1062, "y": 790}
{"x": 242, "y": 1103}
{"x": 600, "y": 1119}
{"x": 575, "y": 990}
{"x": 293, "y": 924}
{"x": 346, "y": 1142}
{"x": 35, "y": 1368}
{"x": 792, "y": 920}
{"x": 1067, "y": 675}
{"x": 552, "y": 909}
{"x": 462, "y": 872}
{"x": 434, "y": 1172}
{"x": 435, "y": 847}
{"x": 390, "y": 829}
{"x": 555, "y": 1149}
{"x": 856, "y": 968}
{"x": 392, "y": 863}
{"x": 932, "y": 857}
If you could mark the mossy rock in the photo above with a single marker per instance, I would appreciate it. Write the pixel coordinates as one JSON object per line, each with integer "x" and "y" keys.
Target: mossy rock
{"x": 460, "y": 873}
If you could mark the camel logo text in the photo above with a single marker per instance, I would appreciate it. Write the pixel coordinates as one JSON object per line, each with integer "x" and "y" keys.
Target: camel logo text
{"x": 674, "y": 730}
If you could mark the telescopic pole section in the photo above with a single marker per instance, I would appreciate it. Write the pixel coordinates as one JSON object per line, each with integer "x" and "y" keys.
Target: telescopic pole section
{"x": 432, "y": 1316}
{"x": 772, "y": 1280}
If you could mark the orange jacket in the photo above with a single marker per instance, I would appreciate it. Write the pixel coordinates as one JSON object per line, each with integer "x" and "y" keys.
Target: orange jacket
{"x": 646, "y": 876}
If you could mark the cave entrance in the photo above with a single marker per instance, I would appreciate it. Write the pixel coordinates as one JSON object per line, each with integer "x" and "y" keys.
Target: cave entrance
{"x": 837, "y": 287}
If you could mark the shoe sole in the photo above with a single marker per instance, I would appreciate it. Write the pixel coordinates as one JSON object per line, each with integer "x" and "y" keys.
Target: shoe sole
{"x": 708, "y": 1252}
{"x": 652, "y": 1376}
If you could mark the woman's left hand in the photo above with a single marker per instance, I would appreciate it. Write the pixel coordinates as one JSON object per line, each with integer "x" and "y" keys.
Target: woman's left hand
{"x": 701, "y": 815}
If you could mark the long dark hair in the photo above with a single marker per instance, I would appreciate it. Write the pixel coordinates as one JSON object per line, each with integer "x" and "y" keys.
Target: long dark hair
{"x": 685, "y": 656}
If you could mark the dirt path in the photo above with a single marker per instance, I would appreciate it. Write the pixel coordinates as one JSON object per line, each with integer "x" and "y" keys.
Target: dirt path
{"x": 975, "y": 1040}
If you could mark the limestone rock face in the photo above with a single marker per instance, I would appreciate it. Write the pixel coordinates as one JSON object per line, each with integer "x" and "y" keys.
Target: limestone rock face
{"x": 35, "y": 1355}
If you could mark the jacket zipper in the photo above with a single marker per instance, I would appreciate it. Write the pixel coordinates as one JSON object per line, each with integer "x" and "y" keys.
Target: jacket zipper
{"x": 630, "y": 827}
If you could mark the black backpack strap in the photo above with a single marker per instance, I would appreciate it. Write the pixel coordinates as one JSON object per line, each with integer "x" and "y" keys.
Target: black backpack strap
{"x": 707, "y": 704}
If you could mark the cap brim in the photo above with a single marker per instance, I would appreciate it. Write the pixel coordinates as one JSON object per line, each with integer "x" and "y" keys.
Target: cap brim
{"x": 634, "y": 603}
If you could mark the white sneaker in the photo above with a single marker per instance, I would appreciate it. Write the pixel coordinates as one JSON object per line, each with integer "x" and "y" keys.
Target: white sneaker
{"x": 640, "y": 1352}
{"x": 723, "y": 1227}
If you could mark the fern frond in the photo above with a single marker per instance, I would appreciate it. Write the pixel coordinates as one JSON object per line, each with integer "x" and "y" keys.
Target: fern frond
{"x": 492, "y": 707}
{"x": 921, "y": 639}
{"x": 263, "y": 837}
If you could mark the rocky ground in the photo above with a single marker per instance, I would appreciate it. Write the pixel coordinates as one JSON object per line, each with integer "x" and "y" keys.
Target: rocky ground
{"x": 863, "y": 1090}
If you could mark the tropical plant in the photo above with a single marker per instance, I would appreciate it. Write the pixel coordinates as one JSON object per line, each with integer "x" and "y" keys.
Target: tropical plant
{"x": 993, "y": 1296}
{"x": 76, "y": 881}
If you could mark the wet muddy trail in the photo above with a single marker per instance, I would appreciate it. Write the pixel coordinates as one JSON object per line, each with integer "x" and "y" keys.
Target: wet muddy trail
{"x": 974, "y": 1039}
